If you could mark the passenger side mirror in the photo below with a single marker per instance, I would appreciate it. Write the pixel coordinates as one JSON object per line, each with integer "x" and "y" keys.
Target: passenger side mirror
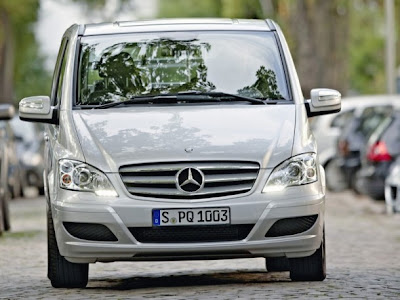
{"x": 6, "y": 111}
{"x": 322, "y": 102}
{"x": 37, "y": 109}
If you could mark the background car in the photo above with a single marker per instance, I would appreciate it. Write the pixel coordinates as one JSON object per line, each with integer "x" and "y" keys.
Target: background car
{"x": 329, "y": 129}
{"x": 29, "y": 149}
{"x": 392, "y": 188}
{"x": 6, "y": 112}
{"x": 381, "y": 151}
{"x": 14, "y": 171}
{"x": 326, "y": 130}
{"x": 369, "y": 113}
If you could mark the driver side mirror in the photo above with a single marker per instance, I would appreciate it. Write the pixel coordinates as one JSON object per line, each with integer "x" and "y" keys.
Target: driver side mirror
{"x": 37, "y": 109}
{"x": 322, "y": 102}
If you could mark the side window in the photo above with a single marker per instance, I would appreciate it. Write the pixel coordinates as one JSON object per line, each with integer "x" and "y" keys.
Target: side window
{"x": 342, "y": 119}
{"x": 58, "y": 76}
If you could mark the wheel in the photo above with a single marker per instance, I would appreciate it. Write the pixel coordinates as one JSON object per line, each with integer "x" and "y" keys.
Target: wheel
{"x": 310, "y": 268}
{"x": 335, "y": 179}
{"x": 62, "y": 273}
{"x": 6, "y": 211}
{"x": 1, "y": 215}
{"x": 277, "y": 264}
{"x": 41, "y": 190}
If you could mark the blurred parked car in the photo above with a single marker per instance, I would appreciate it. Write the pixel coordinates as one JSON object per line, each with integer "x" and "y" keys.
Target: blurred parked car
{"x": 326, "y": 130}
{"x": 381, "y": 151}
{"x": 30, "y": 149}
{"x": 392, "y": 188}
{"x": 6, "y": 112}
{"x": 370, "y": 112}
{"x": 329, "y": 128}
{"x": 14, "y": 171}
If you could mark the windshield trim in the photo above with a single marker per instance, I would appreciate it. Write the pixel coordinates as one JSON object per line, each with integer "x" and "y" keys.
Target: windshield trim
{"x": 285, "y": 68}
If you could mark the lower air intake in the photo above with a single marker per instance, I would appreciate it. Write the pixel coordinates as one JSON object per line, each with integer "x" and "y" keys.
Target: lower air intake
{"x": 191, "y": 234}
{"x": 291, "y": 226}
{"x": 90, "y": 232}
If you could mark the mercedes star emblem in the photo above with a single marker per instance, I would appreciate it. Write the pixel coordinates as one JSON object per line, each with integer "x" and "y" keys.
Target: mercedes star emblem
{"x": 189, "y": 150}
{"x": 189, "y": 180}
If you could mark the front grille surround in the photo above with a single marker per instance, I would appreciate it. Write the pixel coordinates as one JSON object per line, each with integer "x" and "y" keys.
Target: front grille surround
{"x": 191, "y": 234}
{"x": 221, "y": 178}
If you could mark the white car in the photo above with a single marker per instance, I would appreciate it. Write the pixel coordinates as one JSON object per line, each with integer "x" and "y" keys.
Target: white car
{"x": 392, "y": 189}
{"x": 180, "y": 139}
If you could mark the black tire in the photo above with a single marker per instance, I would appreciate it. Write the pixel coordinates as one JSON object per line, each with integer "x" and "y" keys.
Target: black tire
{"x": 310, "y": 268}
{"x": 277, "y": 264}
{"x": 335, "y": 178}
{"x": 62, "y": 273}
{"x": 41, "y": 190}
{"x": 6, "y": 212}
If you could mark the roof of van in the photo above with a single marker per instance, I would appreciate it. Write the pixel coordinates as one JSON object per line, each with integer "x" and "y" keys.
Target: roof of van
{"x": 176, "y": 25}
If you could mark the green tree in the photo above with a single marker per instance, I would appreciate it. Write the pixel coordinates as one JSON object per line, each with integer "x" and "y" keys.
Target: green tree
{"x": 335, "y": 43}
{"x": 21, "y": 67}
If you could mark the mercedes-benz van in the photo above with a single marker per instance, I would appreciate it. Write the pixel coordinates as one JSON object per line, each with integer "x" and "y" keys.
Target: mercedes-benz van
{"x": 180, "y": 139}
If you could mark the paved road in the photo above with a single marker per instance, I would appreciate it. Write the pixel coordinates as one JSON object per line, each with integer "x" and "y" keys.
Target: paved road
{"x": 363, "y": 248}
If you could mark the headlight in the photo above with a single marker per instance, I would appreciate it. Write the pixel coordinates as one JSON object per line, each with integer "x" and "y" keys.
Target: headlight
{"x": 298, "y": 170}
{"x": 78, "y": 176}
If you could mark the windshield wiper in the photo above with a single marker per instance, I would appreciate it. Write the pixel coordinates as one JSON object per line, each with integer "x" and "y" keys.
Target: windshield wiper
{"x": 157, "y": 99}
{"x": 223, "y": 96}
{"x": 195, "y": 96}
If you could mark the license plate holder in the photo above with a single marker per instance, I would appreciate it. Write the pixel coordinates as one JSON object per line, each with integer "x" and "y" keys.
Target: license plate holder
{"x": 191, "y": 216}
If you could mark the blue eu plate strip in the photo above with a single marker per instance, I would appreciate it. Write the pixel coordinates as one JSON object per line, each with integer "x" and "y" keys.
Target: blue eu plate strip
{"x": 156, "y": 217}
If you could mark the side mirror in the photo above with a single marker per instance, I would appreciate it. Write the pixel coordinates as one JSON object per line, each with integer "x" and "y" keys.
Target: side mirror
{"x": 6, "y": 111}
{"x": 37, "y": 109}
{"x": 322, "y": 102}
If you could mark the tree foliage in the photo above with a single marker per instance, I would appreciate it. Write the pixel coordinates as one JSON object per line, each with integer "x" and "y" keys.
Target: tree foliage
{"x": 21, "y": 65}
{"x": 335, "y": 43}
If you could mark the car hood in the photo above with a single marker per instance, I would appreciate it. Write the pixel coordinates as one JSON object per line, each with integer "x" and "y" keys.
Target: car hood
{"x": 120, "y": 136}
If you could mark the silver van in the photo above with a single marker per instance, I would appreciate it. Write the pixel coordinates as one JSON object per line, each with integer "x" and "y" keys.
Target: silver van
{"x": 180, "y": 139}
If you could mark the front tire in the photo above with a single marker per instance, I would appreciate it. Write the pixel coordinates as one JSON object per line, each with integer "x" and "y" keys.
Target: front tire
{"x": 310, "y": 268}
{"x": 62, "y": 273}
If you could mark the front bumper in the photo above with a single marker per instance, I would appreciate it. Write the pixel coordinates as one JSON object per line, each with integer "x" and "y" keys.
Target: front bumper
{"x": 118, "y": 214}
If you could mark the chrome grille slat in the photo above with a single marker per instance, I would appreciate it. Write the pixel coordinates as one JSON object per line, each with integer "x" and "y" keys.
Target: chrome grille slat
{"x": 158, "y": 180}
{"x": 175, "y": 192}
{"x": 179, "y": 166}
{"x": 149, "y": 179}
{"x": 227, "y": 178}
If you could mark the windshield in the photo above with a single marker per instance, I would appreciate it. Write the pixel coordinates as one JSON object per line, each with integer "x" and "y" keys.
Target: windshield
{"x": 115, "y": 68}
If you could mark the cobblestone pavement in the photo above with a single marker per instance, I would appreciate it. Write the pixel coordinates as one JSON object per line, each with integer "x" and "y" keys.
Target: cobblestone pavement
{"x": 363, "y": 248}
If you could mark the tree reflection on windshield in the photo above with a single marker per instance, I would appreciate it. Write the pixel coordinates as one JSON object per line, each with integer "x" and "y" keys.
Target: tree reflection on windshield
{"x": 117, "y": 71}
{"x": 265, "y": 85}
{"x": 162, "y": 66}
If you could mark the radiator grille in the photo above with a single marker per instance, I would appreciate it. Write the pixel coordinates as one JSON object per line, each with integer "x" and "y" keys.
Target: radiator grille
{"x": 291, "y": 226}
{"x": 191, "y": 234}
{"x": 159, "y": 180}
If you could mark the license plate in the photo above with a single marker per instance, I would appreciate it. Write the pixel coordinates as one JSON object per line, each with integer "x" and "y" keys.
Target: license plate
{"x": 195, "y": 216}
